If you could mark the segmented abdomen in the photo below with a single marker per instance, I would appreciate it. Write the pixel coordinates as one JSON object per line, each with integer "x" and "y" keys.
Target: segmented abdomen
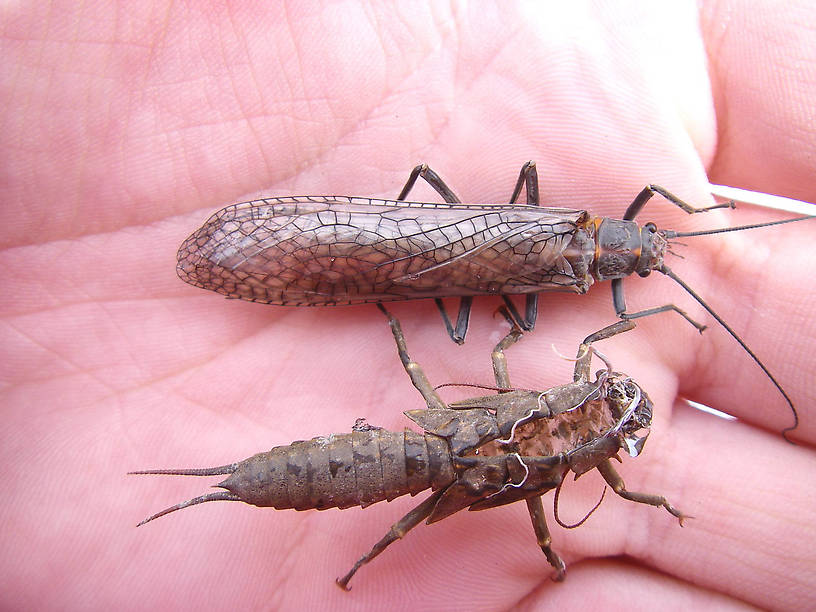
{"x": 343, "y": 470}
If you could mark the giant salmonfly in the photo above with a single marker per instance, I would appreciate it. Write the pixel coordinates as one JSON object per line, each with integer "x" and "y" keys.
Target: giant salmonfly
{"x": 331, "y": 250}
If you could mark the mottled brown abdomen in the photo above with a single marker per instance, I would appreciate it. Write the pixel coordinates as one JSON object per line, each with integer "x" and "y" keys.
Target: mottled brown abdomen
{"x": 343, "y": 470}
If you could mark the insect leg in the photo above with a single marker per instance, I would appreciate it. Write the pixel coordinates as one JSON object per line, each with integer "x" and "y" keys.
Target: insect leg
{"x": 398, "y": 529}
{"x": 530, "y": 311}
{"x": 433, "y": 179}
{"x": 620, "y": 307}
{"x": 414, "y": 370}
{"x": 534, "y": 505}
{"x": 649, "y": 190}
{"x": 536, "y": 510}
{"x": 528, "y": 321}
{"x": 498, "y": 357}
{"x": 457, "y": 334}
{"x": 615, "y": 481}
{"x": 528, "y": 177}
{"x": 584, "y": 357}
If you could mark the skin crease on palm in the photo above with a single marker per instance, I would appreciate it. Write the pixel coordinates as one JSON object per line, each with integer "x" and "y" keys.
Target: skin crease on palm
{"x": 125, "y": 126}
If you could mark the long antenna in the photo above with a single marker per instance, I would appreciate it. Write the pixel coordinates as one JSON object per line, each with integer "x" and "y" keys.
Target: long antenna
{"x": 673, "y": 234}
{"x": 665, "y": 270}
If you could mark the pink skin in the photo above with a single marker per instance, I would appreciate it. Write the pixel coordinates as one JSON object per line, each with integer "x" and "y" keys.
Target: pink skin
{"x": 125, "y": 127}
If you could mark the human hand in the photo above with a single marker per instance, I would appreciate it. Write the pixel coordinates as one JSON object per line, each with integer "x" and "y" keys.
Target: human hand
{"x": 124, "y": 129}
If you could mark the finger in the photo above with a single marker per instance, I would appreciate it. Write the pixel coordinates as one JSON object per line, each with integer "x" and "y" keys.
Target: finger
{"x": 745, "y": 539}
{"x": 747, "y": 511}
{"x": 757, "y": 287}
{"x": 763, "y": 100}
{"x": 605, "y": 580}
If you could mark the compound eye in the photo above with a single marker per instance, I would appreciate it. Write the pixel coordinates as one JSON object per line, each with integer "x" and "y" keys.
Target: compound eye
{"x": 644, "y": 267}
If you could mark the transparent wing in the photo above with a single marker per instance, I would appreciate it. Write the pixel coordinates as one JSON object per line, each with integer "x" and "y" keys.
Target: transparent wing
{"x": 308, "y": 251}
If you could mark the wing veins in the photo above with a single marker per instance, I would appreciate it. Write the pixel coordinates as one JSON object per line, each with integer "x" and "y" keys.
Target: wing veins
{"x": 467, "y": 253}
